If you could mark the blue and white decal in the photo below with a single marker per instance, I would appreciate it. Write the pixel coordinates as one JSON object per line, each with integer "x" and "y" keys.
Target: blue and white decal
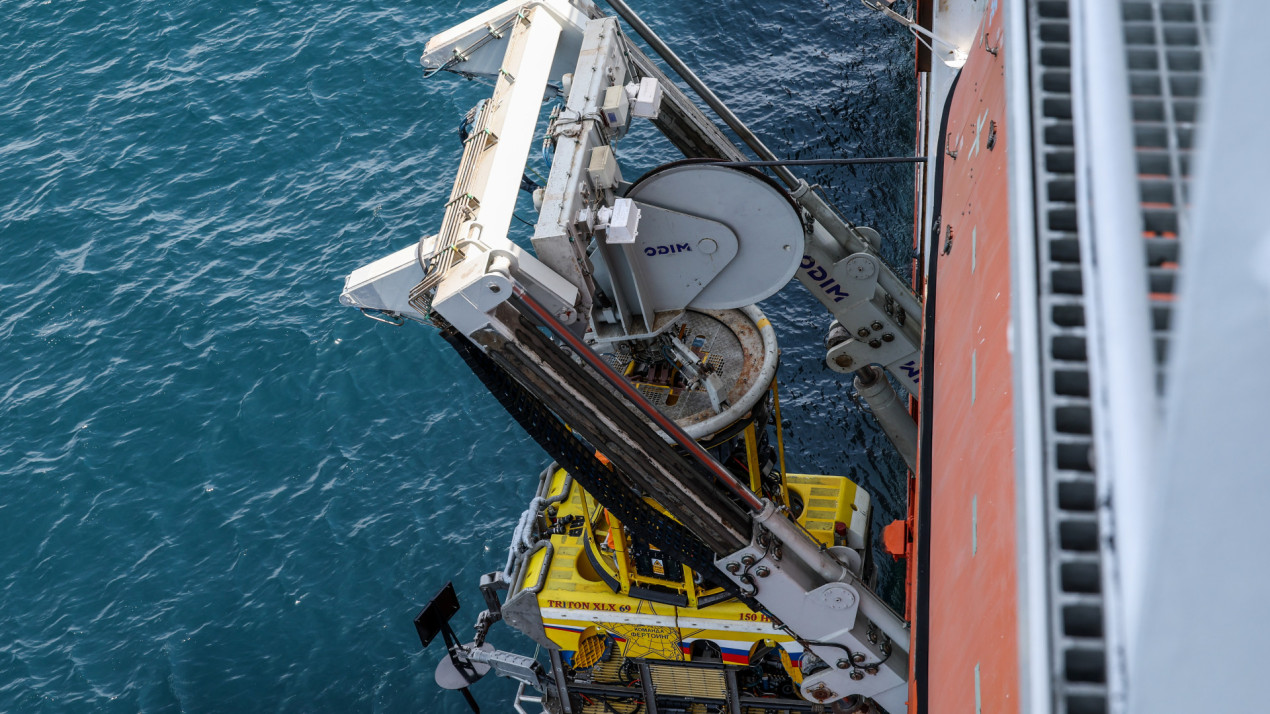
{"x": 912, "y": 370}
{"x": 819, "y": 275}
{"x": 652, "y": 250}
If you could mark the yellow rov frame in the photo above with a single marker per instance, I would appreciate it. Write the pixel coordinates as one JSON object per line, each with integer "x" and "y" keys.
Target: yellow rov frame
{"x": 592, "y": 591}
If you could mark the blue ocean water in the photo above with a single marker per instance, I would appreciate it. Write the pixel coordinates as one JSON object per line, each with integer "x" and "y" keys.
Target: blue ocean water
{"x": 222, "y": 492}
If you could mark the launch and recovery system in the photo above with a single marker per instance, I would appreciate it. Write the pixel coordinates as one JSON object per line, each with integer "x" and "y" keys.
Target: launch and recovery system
{"x": 668, "y": 561}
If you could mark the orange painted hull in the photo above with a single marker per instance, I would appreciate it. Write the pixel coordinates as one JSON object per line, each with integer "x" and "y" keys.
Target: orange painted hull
{"x": 966, "y": 580}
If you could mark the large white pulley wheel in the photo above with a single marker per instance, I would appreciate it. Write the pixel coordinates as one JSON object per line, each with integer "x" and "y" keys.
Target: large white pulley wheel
{"x": 767, "y": 226}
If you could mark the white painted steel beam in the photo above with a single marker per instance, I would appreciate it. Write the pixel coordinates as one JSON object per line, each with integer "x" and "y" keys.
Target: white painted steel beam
{"x": 516, "y": 106}
{"x": 1036, "y": 684}
{"x": 1118, "y": 315}
{"x": 577, "y": 135}
{"x": 477, "y": 45}
{"x": 1200, "y": 628}
{"x": 480, "y": 282}
{"x": 385, "y": 284}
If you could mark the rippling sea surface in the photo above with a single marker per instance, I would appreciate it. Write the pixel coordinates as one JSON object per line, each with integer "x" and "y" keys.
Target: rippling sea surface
{"x": 222, "y": 492}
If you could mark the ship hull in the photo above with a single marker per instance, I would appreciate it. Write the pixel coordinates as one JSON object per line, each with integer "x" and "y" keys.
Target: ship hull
{"x": 963, "y": 592}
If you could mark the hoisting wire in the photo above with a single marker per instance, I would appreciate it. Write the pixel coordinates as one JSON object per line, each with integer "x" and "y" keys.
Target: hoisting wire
{"x": 825, "y": 162}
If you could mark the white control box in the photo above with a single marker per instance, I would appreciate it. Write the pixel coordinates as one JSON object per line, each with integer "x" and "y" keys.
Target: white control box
{"x": 623, "y": 222}
{"x": 603, "y": 168}
{"x": 616, "y": 108}
{"x": 645, "y": 98}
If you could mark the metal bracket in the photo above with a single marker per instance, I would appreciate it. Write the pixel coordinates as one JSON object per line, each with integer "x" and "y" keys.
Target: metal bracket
{"x": 823, "y": 605}
{"x": 871, "y": 320}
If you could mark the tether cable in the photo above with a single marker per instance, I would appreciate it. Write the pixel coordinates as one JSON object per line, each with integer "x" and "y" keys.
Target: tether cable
{"x": 825, "y": 162}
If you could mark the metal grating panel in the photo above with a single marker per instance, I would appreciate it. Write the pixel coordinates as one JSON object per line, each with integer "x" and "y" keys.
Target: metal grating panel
{"x": 1166, "y": 42}
{"x": 1075, "y": 580}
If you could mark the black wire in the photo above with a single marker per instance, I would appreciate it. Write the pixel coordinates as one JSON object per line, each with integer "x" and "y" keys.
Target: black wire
{"x": 832, "y": 644}
{"x": 826, "y": 162}
{"x": 639, "y": 706}
{"x": 851, "y": 655}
